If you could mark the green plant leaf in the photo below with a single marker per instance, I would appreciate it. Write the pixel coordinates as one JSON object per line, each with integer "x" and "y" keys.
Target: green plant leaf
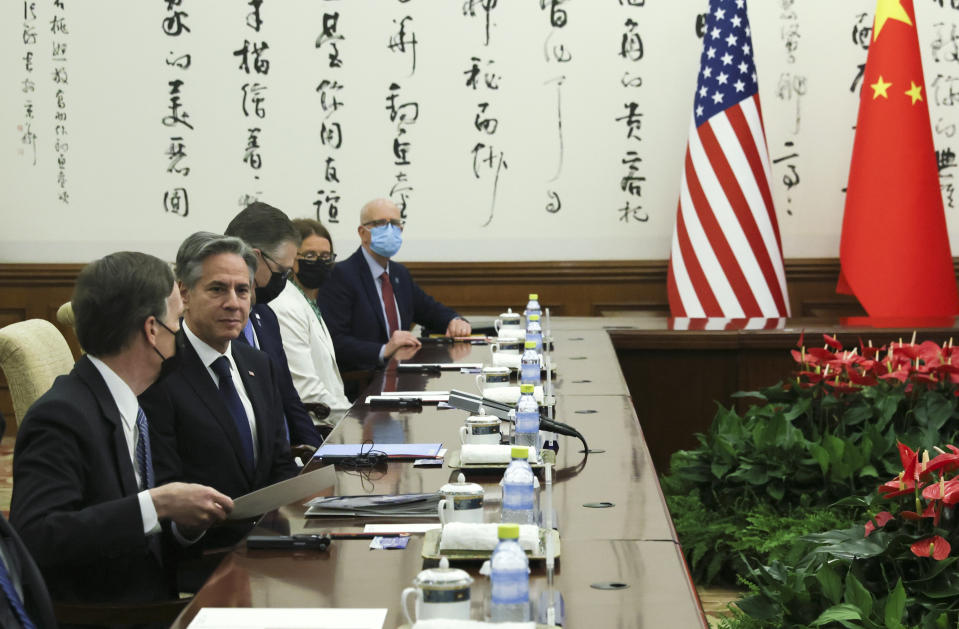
{"x": 856, "y": 594}
{"x": 836, "y": 613}
{"x": 895, "y": 607}
{"x": 758, "y": 607}
{"x": 830, "y": 582}
{"x": 835, "y": 447}
{"x": 821, "y": 455}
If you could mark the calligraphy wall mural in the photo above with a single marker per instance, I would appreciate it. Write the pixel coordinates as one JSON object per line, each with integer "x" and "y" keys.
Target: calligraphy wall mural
{"x": 504, "y": 129}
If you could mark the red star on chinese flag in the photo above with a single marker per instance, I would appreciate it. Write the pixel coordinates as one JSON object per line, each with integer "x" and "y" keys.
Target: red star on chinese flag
{"x": 894, "y": 249}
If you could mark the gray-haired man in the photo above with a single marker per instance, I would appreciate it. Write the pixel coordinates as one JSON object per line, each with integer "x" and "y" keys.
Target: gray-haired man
{"x": 218, "y": 418}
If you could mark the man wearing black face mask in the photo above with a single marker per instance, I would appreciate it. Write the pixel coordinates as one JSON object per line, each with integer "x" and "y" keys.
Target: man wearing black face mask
{"x": 88, "y": 501}
{"x": 274, "y": 241}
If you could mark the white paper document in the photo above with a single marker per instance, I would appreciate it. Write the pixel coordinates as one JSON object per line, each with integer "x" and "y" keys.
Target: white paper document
{"x": 423, "y": 396}
{"x": 288, "y": 618}
{"x": 282, "y": 493}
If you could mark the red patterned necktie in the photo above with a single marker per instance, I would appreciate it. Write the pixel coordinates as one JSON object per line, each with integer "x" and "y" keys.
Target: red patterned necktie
{"x": 389, "y": 304}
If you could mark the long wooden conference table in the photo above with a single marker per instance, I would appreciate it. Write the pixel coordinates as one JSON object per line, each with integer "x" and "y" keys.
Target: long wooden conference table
{"x": 630, "y": 544}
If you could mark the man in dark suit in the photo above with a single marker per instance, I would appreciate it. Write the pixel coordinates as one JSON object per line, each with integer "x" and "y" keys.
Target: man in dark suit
{"x": 29, "y": 603}
{"x": 218, "y": 418}
{"x": 87, "y": 500}
{"x": 370, "y": 302}
{"x": 274, "y": 240}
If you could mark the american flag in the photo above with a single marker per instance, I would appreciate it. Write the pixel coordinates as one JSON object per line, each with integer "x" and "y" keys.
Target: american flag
{"x": 726, "y": 258}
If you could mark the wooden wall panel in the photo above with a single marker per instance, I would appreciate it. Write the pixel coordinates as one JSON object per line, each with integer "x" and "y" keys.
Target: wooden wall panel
{"x": 577, "y": 288}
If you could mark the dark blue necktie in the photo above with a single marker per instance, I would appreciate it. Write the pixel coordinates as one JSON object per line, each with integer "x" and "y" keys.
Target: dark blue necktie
{"x": 16, "y": 604}
{"x": 144, "y": 455}
{"x": 221, "y": 367}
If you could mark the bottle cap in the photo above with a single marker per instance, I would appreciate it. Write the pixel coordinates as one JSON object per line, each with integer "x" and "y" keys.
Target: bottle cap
{"x": 530, "y": 345}
{"x": 533, "y": 317}
{"x": 526, "y": 388}
{"x": 533, "y": 296}
{"x": 508, "y": 531}
{"x": 519, "y": 452}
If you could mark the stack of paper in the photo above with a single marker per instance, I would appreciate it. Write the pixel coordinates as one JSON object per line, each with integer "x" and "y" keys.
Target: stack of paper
{"x": 376, "y": 506}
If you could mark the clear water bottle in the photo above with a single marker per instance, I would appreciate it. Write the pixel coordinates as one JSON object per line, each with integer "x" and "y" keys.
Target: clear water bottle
{"x": 526, "y": 432}
{"x": 534, "y": 332}
{"x": 509, "y": 578}
{"x": 529, "y": 365}
{"x": 532, "y": 306}
{"x": 519, "y": 496}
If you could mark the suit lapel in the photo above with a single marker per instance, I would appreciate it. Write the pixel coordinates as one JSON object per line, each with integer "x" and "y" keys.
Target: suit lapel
{"x": 108, "y": 407}
{"x": 366, "y": 279}
{"x": 199, "y": 379}
{"x": 254, "y": 384}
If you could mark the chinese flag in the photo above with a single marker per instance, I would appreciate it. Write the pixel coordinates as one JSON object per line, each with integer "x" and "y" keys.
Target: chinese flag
{"x": 894, "y": 249}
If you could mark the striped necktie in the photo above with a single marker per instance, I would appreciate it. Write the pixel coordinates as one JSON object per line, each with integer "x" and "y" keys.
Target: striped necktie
{"x": 16, "y": 603}
{"x": 144, "y": 456}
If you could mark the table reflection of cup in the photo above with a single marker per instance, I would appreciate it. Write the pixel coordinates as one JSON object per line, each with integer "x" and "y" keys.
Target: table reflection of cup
{"x": 507, "y": 346}
{"x": 492, "y": 377}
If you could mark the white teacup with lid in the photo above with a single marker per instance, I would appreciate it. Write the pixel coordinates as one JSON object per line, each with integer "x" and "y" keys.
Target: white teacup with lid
{"x": 462, "y": 502}
{"x": 509, "y": 325}
{"x": 481, "y": 428}
{"x": 492, "y": 377}
{"x": 441, "y": 592}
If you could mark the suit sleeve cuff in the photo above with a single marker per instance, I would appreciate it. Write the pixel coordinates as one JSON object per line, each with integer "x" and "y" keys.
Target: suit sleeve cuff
{"x": 148, "y": 511}
{"x": 382, "y": 351}
{"x": 182, "y": 539}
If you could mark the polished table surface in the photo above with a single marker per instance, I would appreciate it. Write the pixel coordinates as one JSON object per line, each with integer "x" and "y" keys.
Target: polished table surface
{"x": 632, "y": 542}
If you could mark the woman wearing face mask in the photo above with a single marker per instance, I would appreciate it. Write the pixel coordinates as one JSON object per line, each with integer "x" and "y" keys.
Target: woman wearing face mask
{"x": 306, "y": 339}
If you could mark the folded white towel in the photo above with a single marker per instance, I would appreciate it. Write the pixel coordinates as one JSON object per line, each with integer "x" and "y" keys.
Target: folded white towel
{"x": 475, "y": 536}
{"x": 449, "y": 623}
{"x": 509, "y": 395}
{"x": 504, "y": 359}
{"x": 480, "y": 453}
{"x": 518, "y": 332}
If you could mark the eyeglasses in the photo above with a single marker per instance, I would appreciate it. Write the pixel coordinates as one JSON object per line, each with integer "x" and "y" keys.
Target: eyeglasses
{"x": 312, "y": 256}
{"x": 286, "y": 273}
{"x": 395, "y": 222}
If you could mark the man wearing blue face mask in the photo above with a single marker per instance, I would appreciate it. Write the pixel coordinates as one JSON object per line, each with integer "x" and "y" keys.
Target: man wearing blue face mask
{"x": 370, "y": 302}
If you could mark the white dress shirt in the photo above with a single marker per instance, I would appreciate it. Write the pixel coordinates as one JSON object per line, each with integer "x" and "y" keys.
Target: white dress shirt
{"x": 207, "y": 356}
{"x": 309, "y": 350}
{"x": 127, "y": 404}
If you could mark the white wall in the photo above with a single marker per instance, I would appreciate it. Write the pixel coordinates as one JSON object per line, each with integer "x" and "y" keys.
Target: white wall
{"x": 118, "y": 94}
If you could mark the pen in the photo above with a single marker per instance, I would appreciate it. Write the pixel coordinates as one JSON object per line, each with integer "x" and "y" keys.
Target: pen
{"x": 365, "y": 535}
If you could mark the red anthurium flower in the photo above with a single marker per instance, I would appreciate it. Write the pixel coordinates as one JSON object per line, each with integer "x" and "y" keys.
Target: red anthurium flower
{"x": 930, "y": 353}
{"x": 878, "y": 522}
{"x": 900, "y": 374}
{"x": 820, "y": 354}
{"x": 862, "y": 380}
{"x": 832, "y": 342}
{"x": 802, "y": 335}
{"x": 910, "y": 461}
{"x": 946, "y": 491}
{"x": 899, "y": 486}
{"x": 946, "y": 462}
{"x": 936, "y": 547}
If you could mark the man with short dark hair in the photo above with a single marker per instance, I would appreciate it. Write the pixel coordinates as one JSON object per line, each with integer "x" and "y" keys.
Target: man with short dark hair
{"x": 370, "y": 302}
{"x": 218, "y": 418}
{"x": 274, "y": 240}
{"x": 87, "y": 499}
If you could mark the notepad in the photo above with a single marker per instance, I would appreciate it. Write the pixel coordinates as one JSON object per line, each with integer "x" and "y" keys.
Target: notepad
{"x": 392, "y": 450}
